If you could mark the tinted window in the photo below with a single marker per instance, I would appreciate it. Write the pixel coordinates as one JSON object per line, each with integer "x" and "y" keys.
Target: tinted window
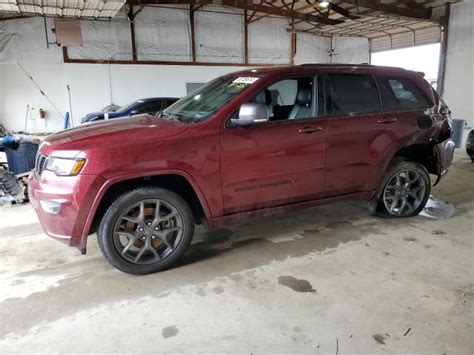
{"x": 149, "y": 107}
{"x": 352, "y": 94}
{"x": 167, "y": 103}
{"x": 133, "y": 106}
{"x": 400, "y": 94}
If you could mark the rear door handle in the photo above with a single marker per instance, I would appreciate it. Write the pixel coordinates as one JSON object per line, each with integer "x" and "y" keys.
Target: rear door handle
{"x": 387, "y": 120}
{"x": 310, "y": 129}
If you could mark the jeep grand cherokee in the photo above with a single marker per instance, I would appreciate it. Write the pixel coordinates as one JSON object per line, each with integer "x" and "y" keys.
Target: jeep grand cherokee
{"x": 246, "y": 144}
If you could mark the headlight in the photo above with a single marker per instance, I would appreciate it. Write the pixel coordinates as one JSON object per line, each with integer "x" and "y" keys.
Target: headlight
{"x": 65, "y": 167}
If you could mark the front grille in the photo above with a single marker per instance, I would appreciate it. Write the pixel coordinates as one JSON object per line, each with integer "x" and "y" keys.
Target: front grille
{"x": 41, "y": 161}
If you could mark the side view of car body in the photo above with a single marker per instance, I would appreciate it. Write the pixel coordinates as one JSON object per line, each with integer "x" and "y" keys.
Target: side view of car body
{"x": 150, "y": 106}
{"x": 247, "y": 144}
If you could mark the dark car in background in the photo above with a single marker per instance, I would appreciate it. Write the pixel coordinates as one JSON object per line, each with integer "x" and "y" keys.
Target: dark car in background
{"x": 470, "y": 145}
{"x": 149, "y": 105}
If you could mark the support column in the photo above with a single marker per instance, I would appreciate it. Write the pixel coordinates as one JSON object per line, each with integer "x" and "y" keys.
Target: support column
{"x": 443, "y": 50}
{"x": 246, "y": 38}
{"x": 193, "y": 33}
{"x": 292, "y": 42}
{"x": 131, "y": 18}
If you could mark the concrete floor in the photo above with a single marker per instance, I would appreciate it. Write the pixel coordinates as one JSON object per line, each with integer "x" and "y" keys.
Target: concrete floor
{"x": 327, "y": 280}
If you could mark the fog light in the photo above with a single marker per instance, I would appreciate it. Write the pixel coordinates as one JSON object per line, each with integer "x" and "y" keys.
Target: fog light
{"x": 51, "y": 206}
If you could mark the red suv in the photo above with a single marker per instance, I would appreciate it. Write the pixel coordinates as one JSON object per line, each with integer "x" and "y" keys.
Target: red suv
{"x": 246, "y": 144}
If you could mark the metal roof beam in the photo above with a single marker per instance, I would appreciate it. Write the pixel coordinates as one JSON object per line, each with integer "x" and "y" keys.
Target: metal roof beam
{"x": 14, "y": 17}
{"x": 247, "y": 5}
{"x": 376, "y": 5}
{"x": 342, "y": 11}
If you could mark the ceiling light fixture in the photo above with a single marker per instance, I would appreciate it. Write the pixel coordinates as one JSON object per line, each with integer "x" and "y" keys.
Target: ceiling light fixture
{"x": 324, "y": 3}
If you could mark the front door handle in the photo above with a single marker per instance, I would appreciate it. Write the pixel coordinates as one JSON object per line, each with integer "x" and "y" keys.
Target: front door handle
{"x": 387, "y": 120}
{"x": 310, "y": 129}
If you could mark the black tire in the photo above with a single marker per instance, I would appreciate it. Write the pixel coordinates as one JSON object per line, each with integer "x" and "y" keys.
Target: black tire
{"x": 388, "y": 192}
{"x": 118, "y": 254}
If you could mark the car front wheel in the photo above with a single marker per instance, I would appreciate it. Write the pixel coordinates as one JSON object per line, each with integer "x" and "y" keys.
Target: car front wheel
{"x": 404, "y": 191}
{"x": 146, "y": 230}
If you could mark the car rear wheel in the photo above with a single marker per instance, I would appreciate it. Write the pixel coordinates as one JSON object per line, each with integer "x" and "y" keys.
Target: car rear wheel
{"x": 404, "y": 191}
{"x": 146, "y": 230}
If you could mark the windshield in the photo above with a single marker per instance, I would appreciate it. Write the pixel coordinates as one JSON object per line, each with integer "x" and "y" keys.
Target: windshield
{"x": 130, "y": 106}
{"x": 205, "y": 101}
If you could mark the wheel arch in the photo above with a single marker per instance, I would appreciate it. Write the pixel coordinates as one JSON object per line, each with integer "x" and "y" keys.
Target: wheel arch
{"x": 175, "y": 181}
{"x": 400, "y": 164}
{"x": 421, "y": 153}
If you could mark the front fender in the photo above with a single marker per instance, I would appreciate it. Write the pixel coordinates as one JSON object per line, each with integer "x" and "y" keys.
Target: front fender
{"x": 112, "y": 181}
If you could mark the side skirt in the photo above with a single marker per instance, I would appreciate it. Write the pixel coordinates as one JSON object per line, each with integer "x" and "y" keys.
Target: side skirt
{"x": 241, "y": 216}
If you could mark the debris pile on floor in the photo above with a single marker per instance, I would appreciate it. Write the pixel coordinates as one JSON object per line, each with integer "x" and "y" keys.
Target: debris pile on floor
{"x": 12, "y": 189}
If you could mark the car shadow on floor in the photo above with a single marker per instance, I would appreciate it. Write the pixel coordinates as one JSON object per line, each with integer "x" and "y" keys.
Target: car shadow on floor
{"x": 290, "y": 234}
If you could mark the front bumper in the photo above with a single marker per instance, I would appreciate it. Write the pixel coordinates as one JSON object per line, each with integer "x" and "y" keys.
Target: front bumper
{"x": 75, "y": 194}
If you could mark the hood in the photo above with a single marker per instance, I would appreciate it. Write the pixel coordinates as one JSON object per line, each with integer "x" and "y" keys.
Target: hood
{"x": 107, "y": 133}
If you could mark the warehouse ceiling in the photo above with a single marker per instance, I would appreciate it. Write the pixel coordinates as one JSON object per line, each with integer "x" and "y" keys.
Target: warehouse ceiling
{"x": 388, "y": 24}
{"x": 63, "y": 8}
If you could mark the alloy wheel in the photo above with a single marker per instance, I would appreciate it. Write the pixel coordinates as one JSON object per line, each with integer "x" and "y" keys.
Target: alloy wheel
{"x": 148, "y": 231}
{"x": 404, "y": 192}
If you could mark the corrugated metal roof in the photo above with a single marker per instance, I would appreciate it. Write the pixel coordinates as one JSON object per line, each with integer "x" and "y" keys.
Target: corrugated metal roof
{"x": 66, "y": 8}
{"x": 385, "y": 31}
{"x": 405, "y": 39}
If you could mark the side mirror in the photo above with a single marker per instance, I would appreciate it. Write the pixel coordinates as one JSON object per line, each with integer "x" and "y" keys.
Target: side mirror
{"x": 251, "y": 113}
{"x": 133, "y": 112}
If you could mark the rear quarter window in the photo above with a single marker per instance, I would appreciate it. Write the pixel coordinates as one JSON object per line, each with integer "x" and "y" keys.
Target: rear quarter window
{"x": 401, "y": 94}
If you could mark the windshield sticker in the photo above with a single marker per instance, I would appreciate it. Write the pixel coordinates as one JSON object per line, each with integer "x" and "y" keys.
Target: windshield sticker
{"x": 245, "y": 80}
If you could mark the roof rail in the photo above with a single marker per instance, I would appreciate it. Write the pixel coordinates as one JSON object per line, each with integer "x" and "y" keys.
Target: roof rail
{"x": 335, "y": 65}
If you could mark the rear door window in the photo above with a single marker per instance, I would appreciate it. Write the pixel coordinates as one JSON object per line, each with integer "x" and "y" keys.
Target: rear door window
{"x": 350, "y": 94}
{"x": 400, "y": 94}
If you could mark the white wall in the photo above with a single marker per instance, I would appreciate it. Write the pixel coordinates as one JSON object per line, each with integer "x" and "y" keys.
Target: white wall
{"x": 89, "y": 85}
{"x": 162, "y": 34}
{"x": 311, "y": 49}
{"x": 459, "y": 77}
{"x": 350, "y": 50}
